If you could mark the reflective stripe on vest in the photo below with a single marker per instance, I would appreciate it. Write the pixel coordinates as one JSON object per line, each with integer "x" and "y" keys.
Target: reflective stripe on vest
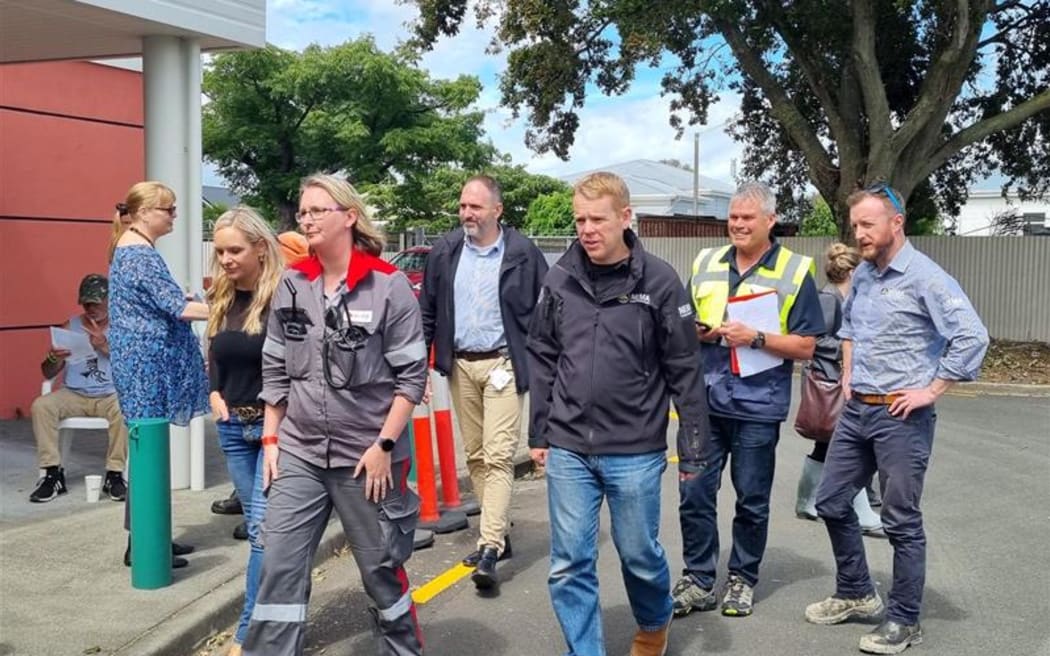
{"x": 710, "y": 283}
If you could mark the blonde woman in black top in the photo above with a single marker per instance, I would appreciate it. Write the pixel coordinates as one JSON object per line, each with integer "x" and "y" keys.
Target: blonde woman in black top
{"x": 245, "y": 270}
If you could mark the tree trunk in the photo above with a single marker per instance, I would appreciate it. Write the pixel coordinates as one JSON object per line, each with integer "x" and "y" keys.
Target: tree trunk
{"x": 286, "y": 216}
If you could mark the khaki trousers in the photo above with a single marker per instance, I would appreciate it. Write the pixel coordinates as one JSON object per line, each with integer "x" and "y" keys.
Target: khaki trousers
{"x": 489, "y": 421}
{"x": 50, "y": 409}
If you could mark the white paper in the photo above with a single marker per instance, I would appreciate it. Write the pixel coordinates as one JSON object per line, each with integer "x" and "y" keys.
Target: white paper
{"x": 761, "y": 313}
{"x": 77, "y": 344}
{"x": 499, "y": 378}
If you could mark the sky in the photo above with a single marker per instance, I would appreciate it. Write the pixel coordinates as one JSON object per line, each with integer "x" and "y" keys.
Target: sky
{"x": 612, "y": 129}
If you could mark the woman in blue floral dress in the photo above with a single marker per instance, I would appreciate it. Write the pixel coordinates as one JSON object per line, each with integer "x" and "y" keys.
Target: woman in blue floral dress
{"x": 158, "y": 368}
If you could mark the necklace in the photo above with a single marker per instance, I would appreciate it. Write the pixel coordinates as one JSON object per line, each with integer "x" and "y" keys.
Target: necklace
{"x": 141, "y": 234}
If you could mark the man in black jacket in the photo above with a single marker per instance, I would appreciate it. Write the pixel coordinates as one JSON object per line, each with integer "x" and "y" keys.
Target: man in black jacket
{"x": 612, "y": 340}
{"x": 479, "y": 290}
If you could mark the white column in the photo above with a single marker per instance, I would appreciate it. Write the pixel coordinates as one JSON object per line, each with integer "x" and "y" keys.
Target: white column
{"x": 166, "y": 106}
{"x": 192, "y": 213}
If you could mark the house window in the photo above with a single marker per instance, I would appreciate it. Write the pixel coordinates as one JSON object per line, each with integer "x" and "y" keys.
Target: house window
{"x": 1034, "y": 223}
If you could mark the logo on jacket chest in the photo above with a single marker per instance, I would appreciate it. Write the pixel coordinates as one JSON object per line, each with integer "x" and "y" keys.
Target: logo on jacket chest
{"x": 634, "y": 298}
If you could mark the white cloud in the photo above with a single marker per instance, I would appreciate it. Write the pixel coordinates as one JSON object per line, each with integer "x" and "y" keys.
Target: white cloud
{"x": 612, "y": 129}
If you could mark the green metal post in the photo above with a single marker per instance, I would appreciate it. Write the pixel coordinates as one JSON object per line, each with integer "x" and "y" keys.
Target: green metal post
{"x": 150, "y": 499}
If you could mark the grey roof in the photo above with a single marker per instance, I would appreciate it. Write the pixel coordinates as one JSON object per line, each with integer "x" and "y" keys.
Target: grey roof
{"x": 648, "y": 177}
{"x": 219, "y": 196}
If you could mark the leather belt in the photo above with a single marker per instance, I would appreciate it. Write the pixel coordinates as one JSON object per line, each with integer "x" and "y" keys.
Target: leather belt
{"x": 247, "y": 413}
{"x": 474, "y": 356}
{"x": 876, "y": 399}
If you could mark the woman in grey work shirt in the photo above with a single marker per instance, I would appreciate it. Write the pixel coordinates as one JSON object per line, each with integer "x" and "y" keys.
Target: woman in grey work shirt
{"x": 344, "y": 363}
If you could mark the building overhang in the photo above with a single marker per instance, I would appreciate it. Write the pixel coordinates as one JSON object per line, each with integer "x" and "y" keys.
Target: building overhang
{"x": 42, "y": 30}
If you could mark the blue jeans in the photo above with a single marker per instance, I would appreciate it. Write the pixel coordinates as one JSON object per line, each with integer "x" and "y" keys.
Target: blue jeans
{"x": 869, "y": 437}
{"x": 240, "y": 444}
{"x": 750, "y": 449}
{"x": 576, "y": 485}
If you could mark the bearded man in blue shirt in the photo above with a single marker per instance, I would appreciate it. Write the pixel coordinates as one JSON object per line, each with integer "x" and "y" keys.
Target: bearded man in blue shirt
{"x": 909, "y": 333}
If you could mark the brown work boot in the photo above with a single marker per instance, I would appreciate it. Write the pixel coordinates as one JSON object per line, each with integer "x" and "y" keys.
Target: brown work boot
{"x": 650, "y": 643}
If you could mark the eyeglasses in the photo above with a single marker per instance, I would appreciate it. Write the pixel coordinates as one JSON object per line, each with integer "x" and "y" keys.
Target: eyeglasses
{"x": 169, "y": 210}
{"x": 887, "y": 191}
{"x": 315, "y": 213}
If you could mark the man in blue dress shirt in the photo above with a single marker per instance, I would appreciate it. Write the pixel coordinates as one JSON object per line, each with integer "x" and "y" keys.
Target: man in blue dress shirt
{"x": 909, "y": 333}
{"x": 479, "y": 290}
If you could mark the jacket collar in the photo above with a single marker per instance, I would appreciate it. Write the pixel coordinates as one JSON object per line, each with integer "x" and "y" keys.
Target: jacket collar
{"x": 574, "y": 261}
{"x": 359, "y": 267}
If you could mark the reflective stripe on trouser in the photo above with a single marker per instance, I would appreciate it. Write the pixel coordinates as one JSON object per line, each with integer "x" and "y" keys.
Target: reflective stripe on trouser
{"x": 380, "y": 538}
{"x": 489, "y": 421}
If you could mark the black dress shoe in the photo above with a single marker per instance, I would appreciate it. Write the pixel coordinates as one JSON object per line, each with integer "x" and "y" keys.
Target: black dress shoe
{"x": 485, "y": 576}
{"x": 176, "y": 561}
{"x": 240, "y": 532}
{"x": 891, "y": 638}
{"x": 228, "y": 506}
{"x": 473, "y": 557}
{"x": 178, "y": 549}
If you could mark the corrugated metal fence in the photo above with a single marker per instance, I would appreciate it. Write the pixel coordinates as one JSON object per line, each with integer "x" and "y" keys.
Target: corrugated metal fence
{"x": 1006, "y": 278}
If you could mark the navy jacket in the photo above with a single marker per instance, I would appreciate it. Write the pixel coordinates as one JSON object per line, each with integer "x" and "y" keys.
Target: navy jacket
{"x": 520, "y": 278}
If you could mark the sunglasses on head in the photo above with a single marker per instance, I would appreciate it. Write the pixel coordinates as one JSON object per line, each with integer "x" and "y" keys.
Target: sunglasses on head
{"x": 887, "y": 191}
{"x": 122, "y": 208}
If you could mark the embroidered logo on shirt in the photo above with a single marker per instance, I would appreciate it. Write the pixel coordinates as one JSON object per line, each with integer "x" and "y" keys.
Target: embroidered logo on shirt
{"x": 893, "y": 293}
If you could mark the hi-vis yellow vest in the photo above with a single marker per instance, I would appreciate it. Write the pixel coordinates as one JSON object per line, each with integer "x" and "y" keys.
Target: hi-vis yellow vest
{"x": 710, "y": 283}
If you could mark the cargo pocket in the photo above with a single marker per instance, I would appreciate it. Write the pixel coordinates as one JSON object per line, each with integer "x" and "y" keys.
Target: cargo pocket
{"x": 398, "y": 518}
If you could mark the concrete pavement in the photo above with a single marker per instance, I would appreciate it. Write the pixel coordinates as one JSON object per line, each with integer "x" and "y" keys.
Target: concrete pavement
{"x": 64, "y": 591}
{"x": 988, "y": 577}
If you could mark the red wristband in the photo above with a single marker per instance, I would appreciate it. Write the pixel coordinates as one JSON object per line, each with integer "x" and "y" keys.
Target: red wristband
{"x": 269, "y": 440}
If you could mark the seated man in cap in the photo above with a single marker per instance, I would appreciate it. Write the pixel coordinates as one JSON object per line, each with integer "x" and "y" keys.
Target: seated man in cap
{"x": 88, "y": 392}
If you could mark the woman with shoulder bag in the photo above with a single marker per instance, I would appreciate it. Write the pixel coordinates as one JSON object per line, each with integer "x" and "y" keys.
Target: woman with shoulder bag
{"x": 821, "y": 398}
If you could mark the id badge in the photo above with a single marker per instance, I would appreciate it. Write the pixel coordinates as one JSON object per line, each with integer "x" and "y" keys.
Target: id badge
{"x": 499, "y": 378}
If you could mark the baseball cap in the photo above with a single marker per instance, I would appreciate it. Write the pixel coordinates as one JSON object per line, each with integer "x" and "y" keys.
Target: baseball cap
{"x": 94, "y": 288}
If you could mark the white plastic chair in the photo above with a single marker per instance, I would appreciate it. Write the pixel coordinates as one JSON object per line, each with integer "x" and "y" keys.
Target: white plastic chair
{"x": 67, "y": 426}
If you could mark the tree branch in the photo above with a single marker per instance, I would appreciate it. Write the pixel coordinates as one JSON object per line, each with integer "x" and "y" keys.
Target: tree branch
{"x": 866, "y": 63}
{"x": 818, "y": 83}
{"x": 781, "y": 105}
{"x": 980, "y": 131}
{"x": 944, "y": 80}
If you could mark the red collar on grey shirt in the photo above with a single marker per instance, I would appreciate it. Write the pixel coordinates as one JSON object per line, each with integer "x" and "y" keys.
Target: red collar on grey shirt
{"x": 361, "y": 264}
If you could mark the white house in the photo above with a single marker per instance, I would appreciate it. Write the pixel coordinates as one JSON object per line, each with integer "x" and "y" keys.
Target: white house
{"x": 985, "y": 201}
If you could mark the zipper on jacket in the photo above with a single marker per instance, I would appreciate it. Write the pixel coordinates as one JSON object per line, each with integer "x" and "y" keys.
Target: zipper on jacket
{"x": 590, "y": 402}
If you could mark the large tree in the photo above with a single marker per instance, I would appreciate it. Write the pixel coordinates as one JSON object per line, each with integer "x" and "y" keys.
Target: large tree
{"x": 926, "y": 95}
{"x": 274, "y": 116}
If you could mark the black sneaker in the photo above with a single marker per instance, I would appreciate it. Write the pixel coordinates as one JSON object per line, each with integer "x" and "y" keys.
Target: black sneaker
{"x": 115, "y": 486}
{"x": 50, "y": 486}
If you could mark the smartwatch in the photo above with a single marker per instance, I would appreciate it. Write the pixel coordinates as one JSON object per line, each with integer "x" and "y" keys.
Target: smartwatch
{"x": 386, "y": 444}
{"x": 759, "y": 341}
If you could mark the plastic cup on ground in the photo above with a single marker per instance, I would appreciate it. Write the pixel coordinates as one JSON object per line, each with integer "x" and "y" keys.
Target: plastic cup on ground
{"x": 93, "y": 485}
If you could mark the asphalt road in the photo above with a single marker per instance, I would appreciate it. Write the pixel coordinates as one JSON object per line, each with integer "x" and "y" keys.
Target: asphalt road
{"x": 988, "y": 577}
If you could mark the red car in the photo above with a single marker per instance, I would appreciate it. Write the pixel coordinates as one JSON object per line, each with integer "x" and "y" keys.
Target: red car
{"x": 412, "y": 261}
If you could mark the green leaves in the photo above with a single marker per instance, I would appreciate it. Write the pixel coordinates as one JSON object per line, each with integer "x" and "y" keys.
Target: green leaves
{"x": 275, "y": 116}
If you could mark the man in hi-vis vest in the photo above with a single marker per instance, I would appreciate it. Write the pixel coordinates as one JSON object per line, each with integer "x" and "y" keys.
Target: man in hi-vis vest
{"x": 746, "y": 408}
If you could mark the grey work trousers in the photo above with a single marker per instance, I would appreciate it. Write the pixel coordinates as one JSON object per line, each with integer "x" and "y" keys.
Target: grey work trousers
{"x": 380, "y": 536}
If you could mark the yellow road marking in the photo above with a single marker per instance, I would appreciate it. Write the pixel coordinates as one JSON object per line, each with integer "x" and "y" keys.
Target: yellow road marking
{"x": 440, "y": 583}
{"x": 454, "y": 575}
